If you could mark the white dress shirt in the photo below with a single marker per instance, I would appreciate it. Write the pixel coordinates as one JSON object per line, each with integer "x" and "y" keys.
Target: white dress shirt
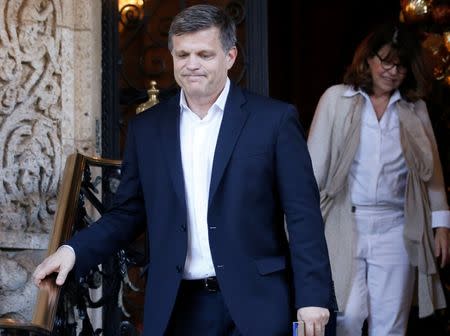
{"x": 378, "y": 172}
{"x": 198, "y": 138}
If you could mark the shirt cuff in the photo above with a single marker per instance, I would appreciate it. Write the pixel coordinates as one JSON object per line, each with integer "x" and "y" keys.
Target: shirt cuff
{"x": 440, "y": 219}
{"x": 69, "y": 247}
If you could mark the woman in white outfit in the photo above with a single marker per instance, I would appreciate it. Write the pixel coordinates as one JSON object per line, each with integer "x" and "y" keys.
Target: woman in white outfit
{"x": 382, "y": 191}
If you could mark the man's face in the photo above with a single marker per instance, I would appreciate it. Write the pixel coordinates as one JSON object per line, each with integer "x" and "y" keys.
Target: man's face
{"x": 200, "y": 63}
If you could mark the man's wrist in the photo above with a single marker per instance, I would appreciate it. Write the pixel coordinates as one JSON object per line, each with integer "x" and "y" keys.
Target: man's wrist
{"x": 70, "y": 248}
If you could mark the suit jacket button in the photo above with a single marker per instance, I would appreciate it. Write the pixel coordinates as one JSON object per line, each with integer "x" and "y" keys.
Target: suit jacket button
{"x": 183, "y": 227}
{"x": 179, "y": 269}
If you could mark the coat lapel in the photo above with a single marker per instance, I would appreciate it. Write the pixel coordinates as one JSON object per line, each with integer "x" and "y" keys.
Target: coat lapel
{"x": 170, "y": 139}
{"x": 234, "y": 118}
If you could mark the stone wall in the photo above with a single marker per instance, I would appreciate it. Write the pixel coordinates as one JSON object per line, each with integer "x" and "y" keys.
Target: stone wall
{"x": 50, "y": 98}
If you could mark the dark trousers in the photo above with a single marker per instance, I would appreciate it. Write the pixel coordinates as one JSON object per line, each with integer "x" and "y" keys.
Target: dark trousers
{"x": 330, "y": 329}
{"x": 200, "y": 311}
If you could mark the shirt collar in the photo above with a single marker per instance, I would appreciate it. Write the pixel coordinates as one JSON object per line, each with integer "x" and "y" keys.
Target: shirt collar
{"x": 220, "y": 101}
{"x": 350, "y": 92}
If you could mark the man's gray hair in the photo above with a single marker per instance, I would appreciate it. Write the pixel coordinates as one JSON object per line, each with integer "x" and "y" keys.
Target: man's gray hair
{"x": 201, "y": 17}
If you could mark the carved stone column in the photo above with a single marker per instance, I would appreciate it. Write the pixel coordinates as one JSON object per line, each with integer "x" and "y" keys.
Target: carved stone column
{"x": 50, "y": 94}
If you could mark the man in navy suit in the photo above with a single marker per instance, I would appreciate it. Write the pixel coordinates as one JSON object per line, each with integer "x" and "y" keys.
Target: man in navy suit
{"x": 214, "y": 172}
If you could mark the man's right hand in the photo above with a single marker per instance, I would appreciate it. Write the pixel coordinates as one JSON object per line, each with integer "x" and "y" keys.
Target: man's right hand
{"x": 60, "y": 262}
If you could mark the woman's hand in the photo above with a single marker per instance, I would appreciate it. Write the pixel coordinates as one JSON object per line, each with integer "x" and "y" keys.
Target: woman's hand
{"x": 441, "y": 245}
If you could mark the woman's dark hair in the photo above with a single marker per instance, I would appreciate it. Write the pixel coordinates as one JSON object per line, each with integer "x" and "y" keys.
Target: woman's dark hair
{"x": 405, "y": 47}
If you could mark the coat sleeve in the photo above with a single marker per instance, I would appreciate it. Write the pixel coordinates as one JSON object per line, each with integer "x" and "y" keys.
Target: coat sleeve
{"x": 300, "y": 200}
{"x": 319, "y": 139}
{"x": 436, "y": 185}
{"x": 120, "y": 225}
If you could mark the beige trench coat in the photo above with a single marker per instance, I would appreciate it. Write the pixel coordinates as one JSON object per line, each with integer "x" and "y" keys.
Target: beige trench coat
{"x": 333, "y": 141}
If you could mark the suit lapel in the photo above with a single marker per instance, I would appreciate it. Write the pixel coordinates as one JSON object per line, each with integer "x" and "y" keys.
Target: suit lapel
{"x": 234, "y": 118}
{"x": 170, "y": 139}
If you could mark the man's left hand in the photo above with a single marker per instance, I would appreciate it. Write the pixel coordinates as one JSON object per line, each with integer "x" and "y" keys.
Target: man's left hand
{"x": 315, "y": 319}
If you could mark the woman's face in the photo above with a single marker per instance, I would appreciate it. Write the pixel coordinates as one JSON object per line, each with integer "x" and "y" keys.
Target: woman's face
{"x": 387, "y": 74}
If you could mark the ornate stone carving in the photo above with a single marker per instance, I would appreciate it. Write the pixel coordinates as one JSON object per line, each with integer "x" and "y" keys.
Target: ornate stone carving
{"x": 17, "y": 292}
{"x": 50, "y": 94}
{"x": 30, "y": 115}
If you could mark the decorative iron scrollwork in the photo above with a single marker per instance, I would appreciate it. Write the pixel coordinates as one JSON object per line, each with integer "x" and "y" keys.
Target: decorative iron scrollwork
{"x": 87, "y": 188}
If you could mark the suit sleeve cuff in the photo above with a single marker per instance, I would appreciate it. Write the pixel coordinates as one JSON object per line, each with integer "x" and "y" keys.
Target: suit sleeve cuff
{"x": 440, "y": 219}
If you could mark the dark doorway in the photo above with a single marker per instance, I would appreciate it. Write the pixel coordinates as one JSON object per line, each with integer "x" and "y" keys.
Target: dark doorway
{"x": 312, "y": 42}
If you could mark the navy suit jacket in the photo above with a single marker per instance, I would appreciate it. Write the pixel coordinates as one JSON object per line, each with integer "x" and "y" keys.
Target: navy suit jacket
{"x": 261, "y": 172}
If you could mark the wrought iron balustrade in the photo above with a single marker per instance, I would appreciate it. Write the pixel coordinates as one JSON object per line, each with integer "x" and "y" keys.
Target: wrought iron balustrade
{"x": 87, "y": 189}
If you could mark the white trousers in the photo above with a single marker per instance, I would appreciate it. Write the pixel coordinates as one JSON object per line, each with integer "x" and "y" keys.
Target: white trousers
{"x": 383, "y": 281}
